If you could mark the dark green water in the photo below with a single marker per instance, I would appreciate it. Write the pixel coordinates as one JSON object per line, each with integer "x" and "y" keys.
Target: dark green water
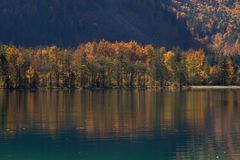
{"x": 120, "y": 125}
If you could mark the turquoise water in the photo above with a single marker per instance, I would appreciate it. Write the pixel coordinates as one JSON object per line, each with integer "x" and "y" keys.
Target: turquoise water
{"x": 119, "y": 125}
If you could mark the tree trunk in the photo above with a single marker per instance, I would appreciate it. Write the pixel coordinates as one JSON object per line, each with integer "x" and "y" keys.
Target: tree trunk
{"x": 103, "y": 78}
{"x": 131, "y": 80}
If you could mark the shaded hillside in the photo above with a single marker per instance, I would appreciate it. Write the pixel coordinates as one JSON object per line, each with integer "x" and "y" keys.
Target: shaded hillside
{"x": 68, "y": 23}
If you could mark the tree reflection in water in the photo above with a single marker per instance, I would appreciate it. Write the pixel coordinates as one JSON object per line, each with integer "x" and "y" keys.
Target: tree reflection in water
{"x": 198, "y": 124}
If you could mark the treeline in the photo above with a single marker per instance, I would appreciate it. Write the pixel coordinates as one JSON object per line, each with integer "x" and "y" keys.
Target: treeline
{"x": 109, "y": 65}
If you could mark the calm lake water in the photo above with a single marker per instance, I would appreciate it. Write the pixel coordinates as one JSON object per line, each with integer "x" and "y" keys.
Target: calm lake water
{"x": 120, "y": 125}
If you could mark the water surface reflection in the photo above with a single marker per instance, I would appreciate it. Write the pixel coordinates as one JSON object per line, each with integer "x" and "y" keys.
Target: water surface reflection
{"x": 116, "y": 124}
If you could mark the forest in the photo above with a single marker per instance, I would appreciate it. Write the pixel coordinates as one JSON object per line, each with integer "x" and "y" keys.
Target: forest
{"x": 104, "y": 64}
{"x": 213, "y": 23}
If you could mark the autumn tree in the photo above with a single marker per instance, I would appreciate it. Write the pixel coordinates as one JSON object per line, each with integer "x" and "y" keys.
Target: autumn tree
{"x": 159, "y": 71}
{"x": 120, "y": 63}
{"x": 231, "y": 72}
{"x": 32, "y": 77}
{"x": 80, "y": 67}
{"x": 195, "y": 66}
{"x": 179, "y": 67}
{"x": 17, "y": 66}
{"x": 4, "y": 67}
{"x": 227, "y": 71}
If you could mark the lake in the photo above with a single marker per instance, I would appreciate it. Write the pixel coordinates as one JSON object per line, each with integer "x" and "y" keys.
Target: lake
{"x": 119, "y": 125}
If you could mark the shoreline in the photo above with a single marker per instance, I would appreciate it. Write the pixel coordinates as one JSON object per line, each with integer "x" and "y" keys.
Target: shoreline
{"x": 213, "y": 87}
{"x": 184, "y": 88}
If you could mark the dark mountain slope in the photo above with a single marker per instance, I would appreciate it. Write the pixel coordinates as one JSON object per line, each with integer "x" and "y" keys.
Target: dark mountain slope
{"x": 69, "y": 22}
